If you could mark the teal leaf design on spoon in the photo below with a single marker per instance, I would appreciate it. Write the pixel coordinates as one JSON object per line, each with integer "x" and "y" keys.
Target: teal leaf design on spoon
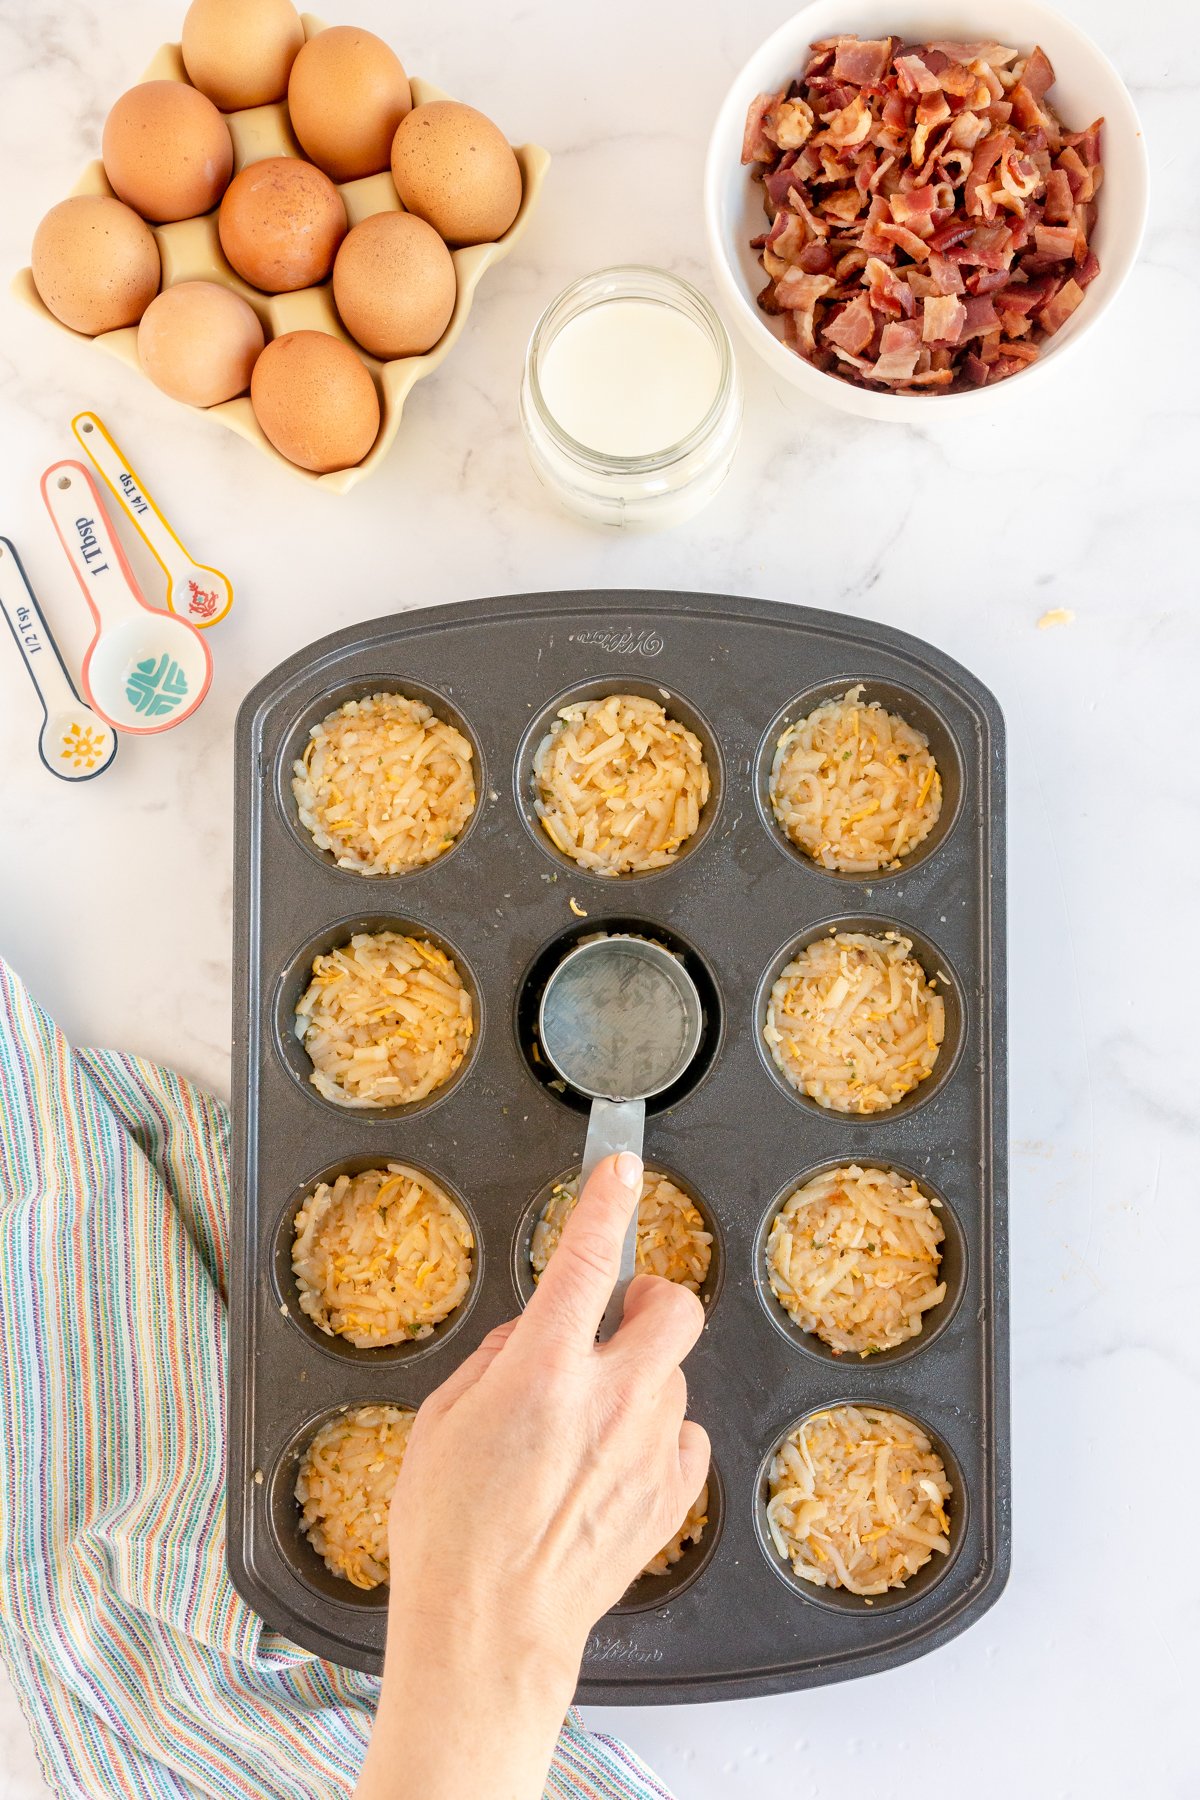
{"x": 155, "y": 687}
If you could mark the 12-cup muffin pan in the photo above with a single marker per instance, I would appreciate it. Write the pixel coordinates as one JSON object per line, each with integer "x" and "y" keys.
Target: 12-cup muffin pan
{"x": 190, "y": 250}
{"x": 730, "y": 1617}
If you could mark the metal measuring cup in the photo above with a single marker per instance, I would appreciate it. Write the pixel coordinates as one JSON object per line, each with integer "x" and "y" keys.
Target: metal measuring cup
{"x": 620, "y": 1019}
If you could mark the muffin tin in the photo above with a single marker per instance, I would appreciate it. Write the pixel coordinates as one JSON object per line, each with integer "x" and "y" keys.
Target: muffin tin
{"x": 191, "y": 251}
{"x": 729, "y": 1618}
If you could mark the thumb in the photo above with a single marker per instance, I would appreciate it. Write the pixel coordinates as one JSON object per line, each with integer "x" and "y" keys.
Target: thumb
{"x": 578, "y": 1281}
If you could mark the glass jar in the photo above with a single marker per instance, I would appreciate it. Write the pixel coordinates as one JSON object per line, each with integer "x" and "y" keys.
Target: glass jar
{"x": 652, "y": 488}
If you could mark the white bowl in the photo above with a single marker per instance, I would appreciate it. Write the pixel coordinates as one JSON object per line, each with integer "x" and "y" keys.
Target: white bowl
{"x": 1086, "y": 87}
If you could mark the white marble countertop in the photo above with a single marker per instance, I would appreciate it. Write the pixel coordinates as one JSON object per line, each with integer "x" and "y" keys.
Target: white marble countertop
{"x": 115, "y": 896}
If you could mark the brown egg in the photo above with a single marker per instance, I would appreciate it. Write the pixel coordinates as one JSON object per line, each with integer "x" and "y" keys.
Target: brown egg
{"x": 280, "y": 224}
{"x": 346, "y": 96}
{"x": 240, "y": 52}
{"x": 167, "y": 151}
{"x": 454, "y": 168}
{"x": 315, "y": 400}
{"x": 199, "y": 342}
{"x": 95, "y": 263}
{"x": 394, "y": 285}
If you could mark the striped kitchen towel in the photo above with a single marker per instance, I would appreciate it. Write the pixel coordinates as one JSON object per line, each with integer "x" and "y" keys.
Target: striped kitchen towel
{"x": 140, "y": 1670}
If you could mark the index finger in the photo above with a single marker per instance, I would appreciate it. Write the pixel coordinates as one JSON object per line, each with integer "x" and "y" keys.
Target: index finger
{"x": 578, "y": 1281}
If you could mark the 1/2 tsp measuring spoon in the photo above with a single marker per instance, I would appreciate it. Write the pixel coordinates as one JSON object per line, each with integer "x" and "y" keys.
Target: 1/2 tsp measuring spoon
{"x": 74, "y": 743}
{"x": 197, "y": 592}
{"x": 145, "y": 670}
{"x": 620, "y": 1019}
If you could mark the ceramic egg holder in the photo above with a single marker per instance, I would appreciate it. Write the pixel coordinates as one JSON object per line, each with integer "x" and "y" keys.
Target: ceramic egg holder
{"x": 191, "y": 251}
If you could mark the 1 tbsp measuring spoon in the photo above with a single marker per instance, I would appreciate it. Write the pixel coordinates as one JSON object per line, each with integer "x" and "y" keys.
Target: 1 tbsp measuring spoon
{"x": 144, "y": 670}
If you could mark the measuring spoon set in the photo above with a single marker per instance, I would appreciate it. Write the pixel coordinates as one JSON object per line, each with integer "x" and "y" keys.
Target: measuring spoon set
{"x": 146, "y": 669}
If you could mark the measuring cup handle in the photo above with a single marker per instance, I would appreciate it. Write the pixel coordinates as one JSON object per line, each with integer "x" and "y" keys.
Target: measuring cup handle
{"x": 615, "y": 1125}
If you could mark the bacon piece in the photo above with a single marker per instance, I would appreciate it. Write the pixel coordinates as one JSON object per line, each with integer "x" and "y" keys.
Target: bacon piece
{"x": 942, "y": 319}
{"x": 1060, "y": 198}
{"x": 816, "y": 227}
{"x": 1057, "y": 311}
{"x": 914, "y": 207}
{"x": 915, "y": 78}
{"x": 756, "y": 145}
{"x": 853, "y": 327}
{"x": 889, "y": 296}
{"x": 988, "y": 247}
{"x": 945, "y": 273}
{"x": 787, "y": 236}
{"x": 850, "y": 125}
{"x": 1028, "y": 296}
{"x": 1056, "y": 241}
{"x": 986, "y": 281}
{"x": 898, "y": 353}
{"x": 979, "y": 316}
{"x": 987, "y": 154}
{"x": 862, "y": 61}
{"x": 1038, "y": 74}
{"x": 800, "y": 291}
{"x": 905, "y": 240}
{"x": 780, "y": 179}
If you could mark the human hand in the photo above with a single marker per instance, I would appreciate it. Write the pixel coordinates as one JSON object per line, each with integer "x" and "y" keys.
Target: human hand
{"x": 538, "y": 1482}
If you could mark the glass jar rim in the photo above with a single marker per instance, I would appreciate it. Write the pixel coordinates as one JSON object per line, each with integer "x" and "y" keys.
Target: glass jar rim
{"x": 630, "y": 281}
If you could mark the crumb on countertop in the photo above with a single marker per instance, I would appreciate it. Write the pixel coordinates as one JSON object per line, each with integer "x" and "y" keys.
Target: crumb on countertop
{"x": 1058, "y": 615}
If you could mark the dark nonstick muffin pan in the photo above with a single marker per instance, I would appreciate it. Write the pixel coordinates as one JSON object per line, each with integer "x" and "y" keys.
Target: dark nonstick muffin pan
{"x": 729, "y": 1618}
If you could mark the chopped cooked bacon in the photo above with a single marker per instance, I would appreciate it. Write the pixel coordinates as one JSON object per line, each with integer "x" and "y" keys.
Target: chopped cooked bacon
{"x": 1055, "y": 241}
{"x": 1058, "y": 310}
{"x": 915, "y": 78}
{"x": 1038, "y": 73}
{"x": 756, "y": 145}
{"x": 863, "y": 61}
{"x": 853, "y": 327}
{"x": 943, "y": 319}
{"x": 1060, "y": 198}
{"x": 929, "y": 215}
{"x": 946, "y": 274}
{"x": 801, "y": 291}
{"x": 899, "y": 349}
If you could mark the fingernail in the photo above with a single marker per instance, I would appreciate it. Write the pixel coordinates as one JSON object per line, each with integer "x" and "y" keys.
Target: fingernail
{"x": 629, "y": 1169}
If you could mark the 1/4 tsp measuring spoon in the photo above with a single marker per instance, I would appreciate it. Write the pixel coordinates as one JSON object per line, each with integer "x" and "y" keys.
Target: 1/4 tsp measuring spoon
{"x": 74, "y": 743}
{"x": 144, "y": 670}
{"x": 194, "y": 590}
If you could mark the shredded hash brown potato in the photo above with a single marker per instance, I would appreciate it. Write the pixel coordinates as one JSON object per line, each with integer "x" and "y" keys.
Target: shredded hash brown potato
{"x": 386, "y": 1019}
{"x": 344, "y": 1488}
{"x": 930, "y": 216}
{"x": 690, "y": 1532}
{"x": 384, "y": 784}
{"x": 854, "y": 1022}
{"x": 854, "y": 786}
{"x": 381, "y": 1257}
{"x": 671, "y": 1236}
{"x": 619, "y": 785}
{"x": 858, "y": 1500}
{"x": 853, "y": 1257}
